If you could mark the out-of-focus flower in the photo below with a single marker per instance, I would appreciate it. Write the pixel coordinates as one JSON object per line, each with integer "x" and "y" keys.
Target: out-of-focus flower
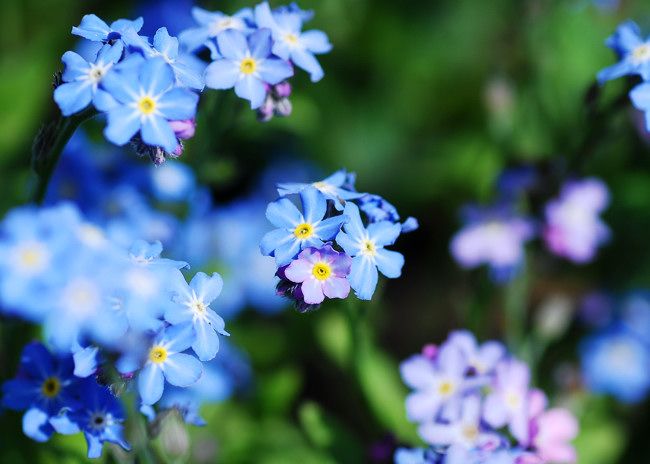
{"x": 493, "y": 236}
{"x": 573, "y": 227}
{"x": 632, "y": 50}
{"x": 96, "y": 30}
{"x": 210, "y": 25}
{"x": 615, "y": 362}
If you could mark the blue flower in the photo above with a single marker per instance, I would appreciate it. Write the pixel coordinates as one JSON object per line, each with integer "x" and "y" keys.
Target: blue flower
{"x": 366, "y": 247}
{"x": 173, "y": 182}
{"x": 43, "y": 387}
{"x": 193, "y": 306}
{"x": 640, "y": 96}
{"x": 187, "y": 68}
{"x": 378, "y": 209}
{"x": 290, "y": 43}
{"x": 297, "y": 231}
{"x": 166, "y": 361}
{"x": 211, "y": 24}
{"x": 414, "y": 456}
{"x": 99, "y": 417}
{"x": 633, "y": 51}
{"x": 95, "y": 29}
{"x": 338, "y": 187}
{"x": 247, "y": 65}
{"x": 145, "y": 101}
{"x": 82, "y": 78}
{"x": 615, "y": 362}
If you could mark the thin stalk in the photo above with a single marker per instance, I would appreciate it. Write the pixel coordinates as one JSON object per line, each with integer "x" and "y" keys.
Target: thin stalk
{"x": 49, "y": 145}
{"x": 516, "y": 300}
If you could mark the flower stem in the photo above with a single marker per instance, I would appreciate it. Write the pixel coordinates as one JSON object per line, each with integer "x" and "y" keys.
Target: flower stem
{"x": 49, "y": 145}
{"x": 516, "y": 298}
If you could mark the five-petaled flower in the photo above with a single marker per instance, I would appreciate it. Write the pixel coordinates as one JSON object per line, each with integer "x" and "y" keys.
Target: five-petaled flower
{"x": 297, "y": 231}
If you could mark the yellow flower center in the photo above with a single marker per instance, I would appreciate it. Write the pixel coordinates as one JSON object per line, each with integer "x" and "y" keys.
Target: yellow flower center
{"x": 291, "y": 38}
{"x": 158, "y": 354}
{"x": 322, "y": 271}
{"x": 147, "y": 105}
{"x": 446, "y": 388}
{"x": 369, "y": 247}
{"x": 198, "y": 307}
{"x": 513, "y": 400}
{"x": 303, "y": 231}
{"x": 470, "y": 432}
{"x": 247, "y": 66}
{"x": 30, "y": 258}
{"x": 641, "y": 53}
{"x": 51, "y": 387}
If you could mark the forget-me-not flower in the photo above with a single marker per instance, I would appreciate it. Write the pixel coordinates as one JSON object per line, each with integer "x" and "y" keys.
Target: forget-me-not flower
{"x": 193, "y": 306}
{"x": 297, "y": 231}
{"x": 247, "y": 65}
{"x": 338, "y": 187}
{"x": 166, "y": 361}
{"x": 366, "y": 247}
{"x": 145, "y": 101}
{"x": 633, "y": 51}
{"x": 95, "y": 29}
{"x": 290, "y": 43}
{"x": 81, "y": 78}
{"x": 43, "y": 387}
{"x": 99, "y": 416}
{"x": 211, "y": 24}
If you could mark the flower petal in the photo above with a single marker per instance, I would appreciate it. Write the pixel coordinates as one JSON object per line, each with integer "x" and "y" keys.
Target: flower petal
{"x": 363, "y": 277}
{"x": 389, "y": 262}
{"x": 182, "y": 370}
{"x": 151, "y": 384}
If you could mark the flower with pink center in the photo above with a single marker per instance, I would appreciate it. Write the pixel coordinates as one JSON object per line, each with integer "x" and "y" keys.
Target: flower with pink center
{"x": 322, "y": 273}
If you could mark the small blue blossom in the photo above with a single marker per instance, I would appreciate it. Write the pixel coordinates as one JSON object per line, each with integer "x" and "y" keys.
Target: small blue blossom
{"x": 615, "y": 362}
{"x": 188, "y": 70}
{"x": 173, "y": 182}
{"x": 633, "y": 51}
{"x": 211, "y": 24}
{"x": 377, "y": 209}
{"x": 95, "y": 29}
{"x": 145, "y": 101}
{"x": 99, "y": 417}
{"x": 290, "y": 43}
{"x": 247, "y": 65}
{"x": 338, "y": 187}
{"x": 297, "y": 231}
{"x": 43, "y": 387}
{"x": 81, "y": 79}
{"x": 193, "y": 306}
{"x": 167, "y": 362}
{"x": 366, "y": 247}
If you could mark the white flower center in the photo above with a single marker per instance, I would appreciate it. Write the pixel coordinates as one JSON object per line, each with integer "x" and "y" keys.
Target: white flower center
{"x": 31, "y": 257}
{"x": 641, "y": 54}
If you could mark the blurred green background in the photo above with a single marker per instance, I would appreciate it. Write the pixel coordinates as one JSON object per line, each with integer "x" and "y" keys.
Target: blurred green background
{"x": 428, "y": 101}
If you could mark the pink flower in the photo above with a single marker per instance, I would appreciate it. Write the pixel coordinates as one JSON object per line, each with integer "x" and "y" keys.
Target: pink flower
{"x": 322, "y": 273}
{"x": 551, "y": 431}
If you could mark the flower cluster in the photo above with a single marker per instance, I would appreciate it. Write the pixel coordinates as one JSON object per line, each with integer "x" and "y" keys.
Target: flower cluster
{"x": 255, "y": 50}
{"x": 326, "y": 249}
{"x": 98, "y": 301}
{"x": 616, "y": 356}
{"x": 633, "y": 52}
{"x": 149, "y": 89}
{"x": 496, "y": 235}
{"x": 118, "y": 193}
{"x": 473, "y": 403}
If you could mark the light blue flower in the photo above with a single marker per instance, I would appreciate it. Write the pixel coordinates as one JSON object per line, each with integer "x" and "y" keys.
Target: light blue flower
{"x": 172, "y": 182}
{"x": 187, "y": 68}
{"x": 82, "y": 78}
{"x": 633, "y": 51}
{"x": 615, "y": 362}
{"x": 145, "y": 101}
{"x": 211, "y": 24}
{"x": 297, "y": 231}
{"x": 290, "y": 43}
{"x": 193, "y": 306}
{"x": 95, "y": 29}
{"x": 247, "y": 65}
{"x": 338, "y": 187}
{"x": 366, "y": 247}
{"x": 166, "y": 361}
{"x": 640, "y": 96}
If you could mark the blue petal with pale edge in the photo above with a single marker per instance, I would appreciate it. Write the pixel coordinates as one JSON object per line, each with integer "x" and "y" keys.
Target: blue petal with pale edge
{"x": 283, "y": 213}
{"x": 252, "y": 89}
{"x": 123, "y": 124}
{"x": 275, "y": 239}
{"x": 314, "y": 204}
{"x": 178, "y": 104}
{"x": 151, "y": 383}
{"x": 156, "y": 76}
{"x": 221, "y": 74}
{"x": 182, "y": 370}
{"x": 273, "y": 70}
{"x": 207, "y": 288}
{"x": 389, "y": 263}
{"x": 232, "y": 44}
{"x": 206, "y": 344}
{"x": 73, "y": 97}
{"x": 309, "y": 63}
{"x": 36, "y": 425}
{"x": 384, "y": 233}
{"x": 363, "y": 277}
{"x": 156, "y": 131}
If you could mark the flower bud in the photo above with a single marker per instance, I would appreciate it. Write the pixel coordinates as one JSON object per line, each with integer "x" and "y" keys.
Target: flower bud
{"x": 184, "y": 129}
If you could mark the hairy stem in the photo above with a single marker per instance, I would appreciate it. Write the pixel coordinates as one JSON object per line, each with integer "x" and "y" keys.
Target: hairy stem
{"x": 49, "y": 145}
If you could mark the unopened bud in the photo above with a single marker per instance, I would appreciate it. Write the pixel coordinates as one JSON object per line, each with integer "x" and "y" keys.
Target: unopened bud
{"x": 184, "y": 129}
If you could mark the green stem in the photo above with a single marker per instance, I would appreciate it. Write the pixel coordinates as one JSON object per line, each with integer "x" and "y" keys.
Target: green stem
{"x": 139, "y": 433}
{"x": 516, "y": 299}
{"x": 355, "y": 320}
{"x": 49, "y": 145}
